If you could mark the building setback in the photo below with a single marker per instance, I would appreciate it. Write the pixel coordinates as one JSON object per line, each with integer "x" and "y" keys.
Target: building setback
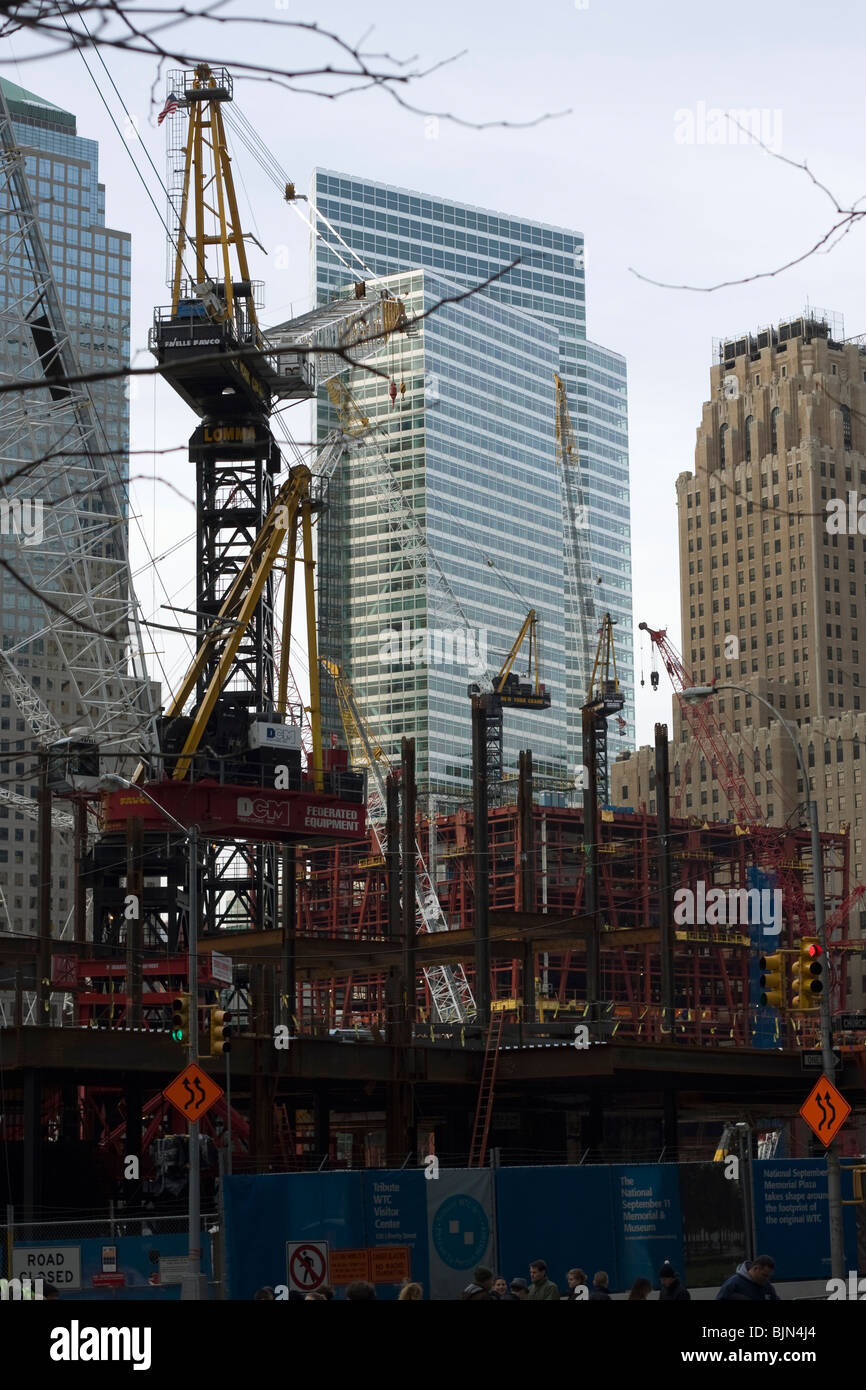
{"x": 91, "y": 263}
{"x": 396, "y": 230}
{"x": 773, "y": 584}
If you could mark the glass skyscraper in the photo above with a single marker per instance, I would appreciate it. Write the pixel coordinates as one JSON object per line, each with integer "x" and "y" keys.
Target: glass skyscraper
{"x": 91, "y": 264}
{"x": 510, "y": 384}
{"x": 468, "y": 439}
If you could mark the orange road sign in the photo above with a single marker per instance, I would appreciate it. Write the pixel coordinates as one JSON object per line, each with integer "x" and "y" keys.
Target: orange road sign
{"x": 390, "y": 1263}
{"x": 192, "y": 1092}
{"x": 348, "y": 1265}
{"x": 825, "y": 1110}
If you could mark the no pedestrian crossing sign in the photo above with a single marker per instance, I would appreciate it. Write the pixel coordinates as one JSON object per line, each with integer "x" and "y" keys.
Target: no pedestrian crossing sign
{"x": 306, "y": 1265}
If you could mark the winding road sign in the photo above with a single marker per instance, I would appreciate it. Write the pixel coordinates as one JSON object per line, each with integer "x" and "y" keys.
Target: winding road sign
{"x": 192, "y": 1092}
{"x": 825, "y": 1110}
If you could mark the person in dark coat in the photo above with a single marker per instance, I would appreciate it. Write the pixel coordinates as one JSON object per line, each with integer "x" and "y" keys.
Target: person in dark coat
{"x": 484, "y": 1277}
{"x": 670, "y": 1288}
{"x": 751, "y": 1282}
{"x": 600, "y": 1288}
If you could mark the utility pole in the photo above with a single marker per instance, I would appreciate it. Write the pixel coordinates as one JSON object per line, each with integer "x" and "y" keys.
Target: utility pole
{"x": 666, "y": 897}
{"x": 194, "y": 1213}
{"x": 481, "y": 865}
{"x": 695, "y": 695}
{"x": 834, "y": 1167}
{"x": 193, "y": 1284}
{"x": 43, "y": 968}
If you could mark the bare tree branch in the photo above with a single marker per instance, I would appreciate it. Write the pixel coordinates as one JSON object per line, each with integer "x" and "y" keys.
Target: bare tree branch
{"x": 848, "y": 217}
{"x": 141, "y": 30}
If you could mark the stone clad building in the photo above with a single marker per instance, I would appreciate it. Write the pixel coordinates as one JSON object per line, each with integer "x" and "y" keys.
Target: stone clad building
{"x": 773, "y": 585}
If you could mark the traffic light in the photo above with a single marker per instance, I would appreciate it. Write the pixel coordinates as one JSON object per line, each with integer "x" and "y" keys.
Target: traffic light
{"x": 773, "y": 980}
{"x": 180, "y": 1018}
{"x": 220, "y": 1033}
{"x": 807, "y": 985}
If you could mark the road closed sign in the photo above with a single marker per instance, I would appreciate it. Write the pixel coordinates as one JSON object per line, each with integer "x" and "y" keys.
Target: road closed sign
{"x": 56, "y": 1264}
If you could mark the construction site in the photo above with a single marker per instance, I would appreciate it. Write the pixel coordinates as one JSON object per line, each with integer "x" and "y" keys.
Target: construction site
{"x": 369, "y": 983}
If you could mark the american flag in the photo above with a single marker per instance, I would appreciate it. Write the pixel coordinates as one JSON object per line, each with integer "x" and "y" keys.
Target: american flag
{"x": 171, "y": 105}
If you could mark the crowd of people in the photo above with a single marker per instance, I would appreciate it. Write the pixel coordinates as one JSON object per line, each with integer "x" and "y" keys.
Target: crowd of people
{"x": 751, "y": 1282}
{"x": 540, "y": 1287}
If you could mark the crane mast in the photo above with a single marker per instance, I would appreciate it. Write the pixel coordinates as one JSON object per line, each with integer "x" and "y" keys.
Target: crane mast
{"x": 579, "y": 607}
{"x": 603, "y": 700}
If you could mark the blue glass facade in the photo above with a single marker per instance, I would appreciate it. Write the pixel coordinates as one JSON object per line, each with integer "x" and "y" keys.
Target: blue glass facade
{"x": 394, "y": 229}
{"x": 92, "y": 269}
{"x": 471, "y": 443}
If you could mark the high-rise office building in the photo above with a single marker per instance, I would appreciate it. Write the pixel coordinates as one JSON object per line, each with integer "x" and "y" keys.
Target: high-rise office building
{"x": 395, "y": 230}
{"x": 91, "y": 265}
{"x": 469, "y": 442}
{"x": 773, "y": 583}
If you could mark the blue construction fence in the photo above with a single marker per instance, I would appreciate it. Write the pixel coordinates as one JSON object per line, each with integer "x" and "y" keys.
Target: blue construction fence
{"x": 627, "y": 1219}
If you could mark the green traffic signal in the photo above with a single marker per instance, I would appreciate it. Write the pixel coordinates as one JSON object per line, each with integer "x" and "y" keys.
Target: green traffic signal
{"x": 180, "y": 1018}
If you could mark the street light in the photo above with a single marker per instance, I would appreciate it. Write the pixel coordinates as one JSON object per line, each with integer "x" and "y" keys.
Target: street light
{"x": 112, "y": 781}
{"x": 694, "y": 695}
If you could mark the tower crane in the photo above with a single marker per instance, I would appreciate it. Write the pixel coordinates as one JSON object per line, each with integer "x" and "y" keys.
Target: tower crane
{"x": 509, "y": 691}
{"x": 579, "y": 607}
{"x": 770, "y": 852}
{"x": 604, "y": 699}
{"x": 449, "y": 988}
{"x": 229, "y": 721}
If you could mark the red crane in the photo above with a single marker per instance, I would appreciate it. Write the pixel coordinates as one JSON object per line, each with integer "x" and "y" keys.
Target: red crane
{"x": 771, "y": 853}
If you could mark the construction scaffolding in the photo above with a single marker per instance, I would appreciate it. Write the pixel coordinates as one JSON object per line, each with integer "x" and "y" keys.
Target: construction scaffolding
{"x": 537, "y": 871}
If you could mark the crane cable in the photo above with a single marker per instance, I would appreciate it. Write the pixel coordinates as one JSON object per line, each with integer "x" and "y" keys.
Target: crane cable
{"x": 129, "y": 117}
{"x": 271, "y": 167}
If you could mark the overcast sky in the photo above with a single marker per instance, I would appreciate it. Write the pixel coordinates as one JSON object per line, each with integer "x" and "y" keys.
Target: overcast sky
{"x": 632, "y": 167}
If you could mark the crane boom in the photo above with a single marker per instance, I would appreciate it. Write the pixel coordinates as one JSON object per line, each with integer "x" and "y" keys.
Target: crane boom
{"x": 449, "y": 988}
{"x": 704, "y": 729}
{"x": 578, "y": 580}
{"x": 770, "y": 853}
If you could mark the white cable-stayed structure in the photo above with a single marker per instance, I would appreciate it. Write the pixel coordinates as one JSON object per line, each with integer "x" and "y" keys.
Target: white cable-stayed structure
{"x": 64, "y": 510}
